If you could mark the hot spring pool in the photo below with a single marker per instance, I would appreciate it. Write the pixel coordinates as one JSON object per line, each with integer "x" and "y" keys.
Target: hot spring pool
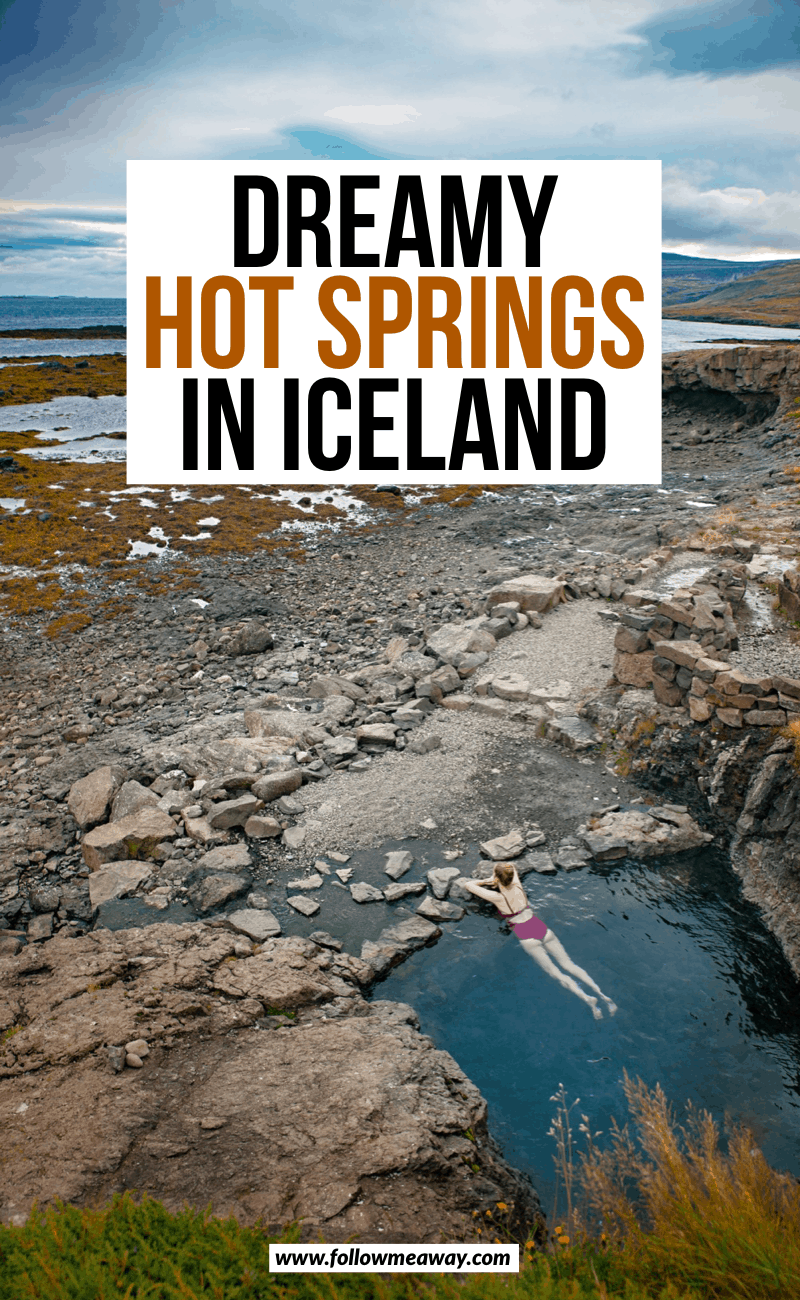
{"x": 708, "y": 1007}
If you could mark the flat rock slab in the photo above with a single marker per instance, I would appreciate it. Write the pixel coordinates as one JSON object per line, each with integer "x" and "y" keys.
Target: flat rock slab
{"x": 338, "y": 748}
{"x": 570, "y": 858}
{"x": 294, "y": 836}
{"x": 400, "y": 889}
{"x": 307, "y": 882}
{"x": 559, "y": 691}
{"x": 651, "y": 832}
{"x": 572, "y": 732}
{"x": 395, "y": 943}
{"x": 217, "y": 889}
{"x": 117, "y": 880}
{"x": 539, "y": 862}
{"x": 228, "y": 857}
{"x": 398, "y": 862}
{"x": 408, "y": 1104}
{"x": 505, "y": 846}
{"x": 306, "y": 906}
{"x": 262, "y": 828}
{"x": 256, "y": 923}
{"x": 329, "y": 684}
{"x": 511, "y": 686}
{"x": 376, "y": 733}
{"x": 132, "y": 837}
{"x": 263, "y": 723}
{"x": 362, "y": 892}
{"x": 280, "y": 976}
{"x": 325, "y": 940}
{"x": 605, "y": 848}
{"x": 435, "y": 909}
{"x": 233, "y": 812}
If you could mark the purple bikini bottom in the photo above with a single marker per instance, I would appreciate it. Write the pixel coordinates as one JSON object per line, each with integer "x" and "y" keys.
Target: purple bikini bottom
{"x": 534, "y": 928}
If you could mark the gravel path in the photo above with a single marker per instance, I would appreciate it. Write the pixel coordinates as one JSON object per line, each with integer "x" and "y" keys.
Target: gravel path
{"x": 402, "y": 790}
{"x": 574, "y": 645}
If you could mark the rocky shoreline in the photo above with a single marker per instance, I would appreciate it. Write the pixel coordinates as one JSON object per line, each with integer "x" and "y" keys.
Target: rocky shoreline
{"x": 212, "y": 761}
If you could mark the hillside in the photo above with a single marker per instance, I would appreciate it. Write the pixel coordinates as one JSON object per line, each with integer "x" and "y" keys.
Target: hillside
{"x": 767, "y": 296}
{"x": 686, "y": 279}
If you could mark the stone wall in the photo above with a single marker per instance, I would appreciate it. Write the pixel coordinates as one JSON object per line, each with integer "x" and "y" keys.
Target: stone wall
{"x": 702, "y": 614}
{"x": 680, "y": 646}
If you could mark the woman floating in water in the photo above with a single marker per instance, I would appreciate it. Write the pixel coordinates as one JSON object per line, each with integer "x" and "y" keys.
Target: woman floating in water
{"x": 538, "y": 941}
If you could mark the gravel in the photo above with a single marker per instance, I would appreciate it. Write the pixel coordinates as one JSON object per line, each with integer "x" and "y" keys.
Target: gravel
{"x": 574, "y": 644}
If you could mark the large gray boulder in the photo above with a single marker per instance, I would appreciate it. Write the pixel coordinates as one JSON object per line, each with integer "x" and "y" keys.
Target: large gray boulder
{"x": 530, "y": 592}
{"x": 89, "y": 798}
{"x": 452, "y": 642}
{"x": 275, "y": 784}
{"x": 130, "y": 798}
{"x": 131, "y": 837}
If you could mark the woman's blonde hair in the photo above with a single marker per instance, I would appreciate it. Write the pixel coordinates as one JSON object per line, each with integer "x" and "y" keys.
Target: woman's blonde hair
{"x": 504, "y": 874}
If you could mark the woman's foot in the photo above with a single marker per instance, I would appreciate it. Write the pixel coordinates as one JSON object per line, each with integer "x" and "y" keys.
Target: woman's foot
{"x": 611, "y": 1007}
{"x": 596, "y": 1011}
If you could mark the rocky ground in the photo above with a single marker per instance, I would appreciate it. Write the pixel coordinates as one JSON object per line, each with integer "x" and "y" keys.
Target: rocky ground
{"x": 197, "y": 794}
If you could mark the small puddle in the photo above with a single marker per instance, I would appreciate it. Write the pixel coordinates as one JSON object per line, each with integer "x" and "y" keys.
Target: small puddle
{"x": 682, "y": 577}
{"x": 132, "y": 913}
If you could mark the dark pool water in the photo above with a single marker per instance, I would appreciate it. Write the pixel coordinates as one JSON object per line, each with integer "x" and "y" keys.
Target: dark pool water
{"x": 708, "y": 1007}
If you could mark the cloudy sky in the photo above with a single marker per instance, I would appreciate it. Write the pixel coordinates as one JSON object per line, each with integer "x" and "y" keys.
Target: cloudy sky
{"x": 710, "y": 88}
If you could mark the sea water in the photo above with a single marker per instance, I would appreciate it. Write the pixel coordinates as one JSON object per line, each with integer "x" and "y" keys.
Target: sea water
{"x": 10, "y": 349}
{"x": 64, "y": 312}
{"x": 681, "y": 335}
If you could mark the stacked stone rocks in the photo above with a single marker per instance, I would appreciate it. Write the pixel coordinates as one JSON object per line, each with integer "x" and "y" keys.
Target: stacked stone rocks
{"x": 702, "y": 614}
{"x": 738, "y": 699}
{"x": 789, "y": 594}
{"x": 681, "y": 645}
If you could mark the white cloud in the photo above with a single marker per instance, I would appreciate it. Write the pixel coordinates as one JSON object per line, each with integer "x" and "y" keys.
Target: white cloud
{"x": 93, "y": 273}
{"x": 731, "y": 219}
{"x": 510, "y": 79}
{"x": 373, "y": 114}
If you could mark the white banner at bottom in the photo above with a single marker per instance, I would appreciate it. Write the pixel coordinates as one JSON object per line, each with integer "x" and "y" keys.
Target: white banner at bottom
{"x": 386, "y": 1258}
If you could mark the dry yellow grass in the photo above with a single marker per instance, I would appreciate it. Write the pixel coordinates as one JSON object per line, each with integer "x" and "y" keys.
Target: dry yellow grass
{"x": 727, "y": 1224}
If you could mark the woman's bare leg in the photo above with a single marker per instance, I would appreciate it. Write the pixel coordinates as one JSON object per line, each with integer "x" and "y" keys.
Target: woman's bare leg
{"x": 535, "y": 949}
{"x": 559, "y": 953}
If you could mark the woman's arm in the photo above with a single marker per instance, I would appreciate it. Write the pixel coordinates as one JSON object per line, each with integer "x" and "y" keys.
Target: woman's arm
{"x": 476, "y": 887}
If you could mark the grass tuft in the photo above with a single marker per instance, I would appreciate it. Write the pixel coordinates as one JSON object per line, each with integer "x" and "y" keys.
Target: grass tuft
{"x": 724, "y": 1225}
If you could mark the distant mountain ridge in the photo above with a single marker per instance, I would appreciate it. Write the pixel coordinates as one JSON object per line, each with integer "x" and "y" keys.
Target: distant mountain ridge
{"x": 737, "y": 293}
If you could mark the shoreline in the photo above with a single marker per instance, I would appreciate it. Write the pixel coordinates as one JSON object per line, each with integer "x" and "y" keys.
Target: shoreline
{"x": 77, "y": 331}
